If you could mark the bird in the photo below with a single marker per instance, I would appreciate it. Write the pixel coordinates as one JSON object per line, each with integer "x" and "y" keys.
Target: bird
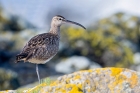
{"x": 43, "y": 47}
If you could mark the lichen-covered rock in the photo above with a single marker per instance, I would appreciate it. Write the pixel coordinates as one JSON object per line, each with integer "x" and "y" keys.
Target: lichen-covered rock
{"x": 101, "y": 80}
{"x": 8, "y": 91}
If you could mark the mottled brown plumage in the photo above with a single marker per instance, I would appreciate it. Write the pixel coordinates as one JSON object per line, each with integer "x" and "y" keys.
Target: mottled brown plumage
{"x": 41, "y": 48}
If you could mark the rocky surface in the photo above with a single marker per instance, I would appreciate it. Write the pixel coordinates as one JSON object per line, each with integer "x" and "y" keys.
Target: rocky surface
{"x": 101, "y": 80}
{"x": 104, "y": 80}
{"x": 8, "y": 91}
{"x": 75, "y": 63}
{"x": 136, "y": 58}
{"x": 136, "y": 65}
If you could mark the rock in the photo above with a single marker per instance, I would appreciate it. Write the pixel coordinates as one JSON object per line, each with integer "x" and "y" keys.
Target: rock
{"x": 137, "y": 58}
{"x": 94, "y": 65}
{"x": 8, "y": 91}
{"x": 136, "y": 65}
{"x": 101, "y": 80}
{"x": 137, "y": 68}
{"x": 74, "y": 63}
{"x": 8, "y": 79}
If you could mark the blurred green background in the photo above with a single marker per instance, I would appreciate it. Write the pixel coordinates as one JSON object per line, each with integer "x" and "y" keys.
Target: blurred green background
{"x": 112, "y": 38}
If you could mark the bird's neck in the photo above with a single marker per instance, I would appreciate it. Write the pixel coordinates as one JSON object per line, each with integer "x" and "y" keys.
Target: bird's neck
{"x": 55, "y": 30}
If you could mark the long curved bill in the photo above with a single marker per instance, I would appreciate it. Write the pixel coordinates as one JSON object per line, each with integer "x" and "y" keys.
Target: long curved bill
{"x": 68, "y": 21}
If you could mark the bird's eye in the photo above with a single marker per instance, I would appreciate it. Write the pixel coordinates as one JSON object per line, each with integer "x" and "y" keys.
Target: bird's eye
{"x": 60, "y": 19}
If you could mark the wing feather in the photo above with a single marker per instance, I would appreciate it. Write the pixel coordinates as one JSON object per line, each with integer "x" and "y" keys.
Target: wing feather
{"x": 35, "y": 43}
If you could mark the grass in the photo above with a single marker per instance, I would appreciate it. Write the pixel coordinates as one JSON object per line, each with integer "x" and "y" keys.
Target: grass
{"x": 44, "y": 82}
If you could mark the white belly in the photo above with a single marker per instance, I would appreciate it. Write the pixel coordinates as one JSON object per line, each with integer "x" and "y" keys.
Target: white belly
{"x": 36, "y": 61}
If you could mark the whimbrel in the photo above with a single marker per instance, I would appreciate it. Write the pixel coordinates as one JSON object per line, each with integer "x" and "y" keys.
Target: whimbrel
{"x": 43, "y": 47}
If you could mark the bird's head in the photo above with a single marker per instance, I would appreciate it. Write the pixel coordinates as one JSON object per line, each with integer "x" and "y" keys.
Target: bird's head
{"x": 59, "y": 20}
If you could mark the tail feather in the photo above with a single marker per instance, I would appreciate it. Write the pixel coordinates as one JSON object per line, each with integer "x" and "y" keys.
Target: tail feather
{"x": 20, "y": 57}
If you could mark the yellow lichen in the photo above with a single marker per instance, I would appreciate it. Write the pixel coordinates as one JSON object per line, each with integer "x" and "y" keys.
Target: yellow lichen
{"x": 133, "y": 80}
{"x": 115, "y": 71}
{"x": 77, "y": 77}
{"x": 37, "y": 88}
{"x": 112, "y": 78}
{"x": 120, "y": 78}
{"x": 118, "y": 82}
{"x": 75, "y": 88}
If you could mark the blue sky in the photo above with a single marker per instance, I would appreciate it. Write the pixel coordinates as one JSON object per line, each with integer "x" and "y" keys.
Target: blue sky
{"x": 82, "y": 11}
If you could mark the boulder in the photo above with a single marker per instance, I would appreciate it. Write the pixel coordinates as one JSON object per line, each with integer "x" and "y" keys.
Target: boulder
{"x": 136, "y": 58}
{"x": 100, "y": 80}
{"x": 136, "y": 65}
{"x": 75, "y": 63}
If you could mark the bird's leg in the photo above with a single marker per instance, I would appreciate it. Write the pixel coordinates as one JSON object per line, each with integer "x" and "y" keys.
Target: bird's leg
{"x": 38, "y": 73}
